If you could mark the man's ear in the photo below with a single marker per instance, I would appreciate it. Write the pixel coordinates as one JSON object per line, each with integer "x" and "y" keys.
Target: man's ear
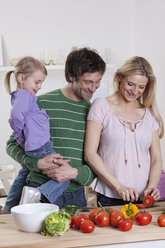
{"x": 71, "y": 79}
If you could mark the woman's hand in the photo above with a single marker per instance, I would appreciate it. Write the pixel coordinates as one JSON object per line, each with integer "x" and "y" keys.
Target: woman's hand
{"x": 128, "y": 194}
{"x": 154, "y": 192}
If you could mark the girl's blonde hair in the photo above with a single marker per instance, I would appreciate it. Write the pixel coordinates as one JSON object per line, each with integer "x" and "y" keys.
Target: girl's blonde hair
{"x": 140, "y": 66}
{"x": 26, "y": 65}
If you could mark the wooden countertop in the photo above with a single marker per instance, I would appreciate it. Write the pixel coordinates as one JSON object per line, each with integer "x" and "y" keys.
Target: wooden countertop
{"x": 10, "y": 236}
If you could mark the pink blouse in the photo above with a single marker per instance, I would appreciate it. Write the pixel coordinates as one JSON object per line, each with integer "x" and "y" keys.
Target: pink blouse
{"x": 124, "y": 152}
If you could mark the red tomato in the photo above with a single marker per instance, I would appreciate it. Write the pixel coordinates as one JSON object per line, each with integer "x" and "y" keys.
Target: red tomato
{"x": 79, "y": 219}
{"x": 92, "y": 214}
{"x": 102, "y": 219}
{"x": 148, "y": 201}
{"x": 115, "y": 217}
{"x": 161, "y": 220}
{"x": 71, "y": 221}
{"x": 125, "y": 224}
{"x": 87, "y": 226}
{"x": 109, "y": 210}
{"x": 143, "y": 218}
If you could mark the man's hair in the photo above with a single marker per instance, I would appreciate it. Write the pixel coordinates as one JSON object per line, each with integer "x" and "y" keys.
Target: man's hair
{"x": 81, "y": 61}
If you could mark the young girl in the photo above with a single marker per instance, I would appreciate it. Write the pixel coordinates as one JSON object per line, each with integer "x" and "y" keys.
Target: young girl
{"x": 30, "y": 126}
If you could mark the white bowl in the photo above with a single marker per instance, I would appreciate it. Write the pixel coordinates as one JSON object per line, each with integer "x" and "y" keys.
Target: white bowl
{"x": 30, "y": 217}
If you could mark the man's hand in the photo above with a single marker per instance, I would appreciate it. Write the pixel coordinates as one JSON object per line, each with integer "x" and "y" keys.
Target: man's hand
{"x": 56, "y": 168}
{"x": 62, "y": 173}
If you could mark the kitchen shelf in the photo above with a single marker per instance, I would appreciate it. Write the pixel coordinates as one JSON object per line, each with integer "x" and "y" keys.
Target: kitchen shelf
{"x": 49, "y": 67}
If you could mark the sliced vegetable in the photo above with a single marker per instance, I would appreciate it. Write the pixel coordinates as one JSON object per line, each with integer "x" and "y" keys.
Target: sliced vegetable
{"x": 129, "y": 210}
{"x": 56, "y": 224}
{"x": 148, "y": 201}
{"x": 140, "y": 206}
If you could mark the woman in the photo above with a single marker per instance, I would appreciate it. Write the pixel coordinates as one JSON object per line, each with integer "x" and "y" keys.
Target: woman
{"x": 123, "y": 137}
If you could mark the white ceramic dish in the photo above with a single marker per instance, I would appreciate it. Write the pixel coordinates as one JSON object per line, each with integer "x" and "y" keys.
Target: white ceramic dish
{"x": 30, "y": 217}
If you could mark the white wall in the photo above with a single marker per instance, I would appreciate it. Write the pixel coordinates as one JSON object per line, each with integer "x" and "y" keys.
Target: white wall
{"x": 129, "y": 27}
{"x": 149, "y": 40}
{"x": 36, "y": 25}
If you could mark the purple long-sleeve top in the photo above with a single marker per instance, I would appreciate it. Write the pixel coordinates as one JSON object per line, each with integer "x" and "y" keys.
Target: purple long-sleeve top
{"x": 30, "y": 124}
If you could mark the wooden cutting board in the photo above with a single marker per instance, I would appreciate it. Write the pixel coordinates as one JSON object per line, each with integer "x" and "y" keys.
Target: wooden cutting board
{"x": 10, "y": 236}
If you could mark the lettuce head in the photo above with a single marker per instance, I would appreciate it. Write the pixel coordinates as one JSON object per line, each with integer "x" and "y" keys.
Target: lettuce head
{"x": 56, "y": 224}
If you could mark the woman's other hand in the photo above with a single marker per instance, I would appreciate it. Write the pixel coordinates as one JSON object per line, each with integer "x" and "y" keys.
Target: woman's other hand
{"x": 154, "y": 192}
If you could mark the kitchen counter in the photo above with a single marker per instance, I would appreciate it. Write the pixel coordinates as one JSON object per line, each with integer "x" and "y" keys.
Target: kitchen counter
{"x": 10, "y": 236}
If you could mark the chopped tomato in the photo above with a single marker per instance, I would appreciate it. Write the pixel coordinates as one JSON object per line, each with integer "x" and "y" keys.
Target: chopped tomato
{"x": 140, "y": 206}
{"x": 148, "y": 201}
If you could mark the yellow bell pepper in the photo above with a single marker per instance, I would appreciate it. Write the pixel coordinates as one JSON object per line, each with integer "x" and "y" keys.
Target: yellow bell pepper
{"x": 129, "y": 210}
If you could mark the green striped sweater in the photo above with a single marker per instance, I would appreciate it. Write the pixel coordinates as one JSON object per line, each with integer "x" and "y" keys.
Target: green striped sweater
{"x": 67, "y": 129}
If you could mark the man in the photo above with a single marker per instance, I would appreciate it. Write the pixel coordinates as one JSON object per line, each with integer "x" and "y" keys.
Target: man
{"x": 67, "y": 109}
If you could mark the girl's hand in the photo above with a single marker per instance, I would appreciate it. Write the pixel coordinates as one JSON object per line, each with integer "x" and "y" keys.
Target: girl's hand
{"x": 128, "y": 194}
{"x": 49, "y": 161}
{"x": 154, "y": 192}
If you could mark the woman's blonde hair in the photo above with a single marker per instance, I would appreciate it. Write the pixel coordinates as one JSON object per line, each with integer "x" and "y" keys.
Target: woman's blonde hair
{"x": 26, "y": 65}
{"x": 140, "y": 66}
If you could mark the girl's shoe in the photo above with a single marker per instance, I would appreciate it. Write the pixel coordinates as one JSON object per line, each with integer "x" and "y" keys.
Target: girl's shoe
{"x": 30, "y": 195}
